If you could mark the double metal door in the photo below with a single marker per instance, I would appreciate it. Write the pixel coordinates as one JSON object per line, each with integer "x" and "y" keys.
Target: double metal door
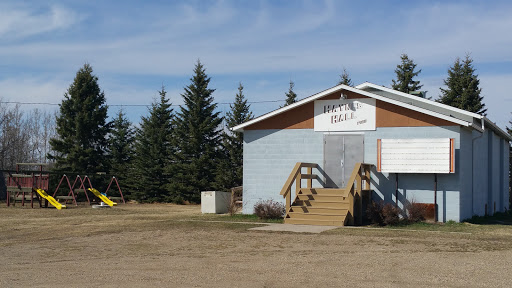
{"x": 341, "y": 153}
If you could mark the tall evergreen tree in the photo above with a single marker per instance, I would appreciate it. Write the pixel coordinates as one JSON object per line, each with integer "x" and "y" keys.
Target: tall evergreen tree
{"x": 232, "y": 172}
{"x": 405, "y": 74}
{"x": 462, "y": 89}
{"x": 291, "y": 97}
{"x": 121, "y": 146}
{"x": 153, "y": 151}
{"x": 198, "y": 139}
{"x": 82, "y": 126}
{"x": 345, "y": 79}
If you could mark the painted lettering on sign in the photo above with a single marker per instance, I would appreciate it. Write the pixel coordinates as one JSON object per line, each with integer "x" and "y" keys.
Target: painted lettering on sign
{"x": 345, "y": 115}
{"x": 342, "y": 117}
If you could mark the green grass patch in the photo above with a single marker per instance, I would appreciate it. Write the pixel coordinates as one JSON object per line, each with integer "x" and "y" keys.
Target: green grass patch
{"x": 236, "y": 218}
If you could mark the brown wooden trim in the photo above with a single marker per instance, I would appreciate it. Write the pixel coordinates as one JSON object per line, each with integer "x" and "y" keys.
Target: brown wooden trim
{"x": 301, "y": 117}
{"x": 390, "y": 115}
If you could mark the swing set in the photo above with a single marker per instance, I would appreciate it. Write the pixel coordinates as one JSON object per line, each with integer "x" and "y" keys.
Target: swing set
{"x": 81, "y": 183}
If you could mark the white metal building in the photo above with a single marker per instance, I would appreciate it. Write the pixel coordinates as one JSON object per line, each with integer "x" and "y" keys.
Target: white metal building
{"x": 464, "y": 152}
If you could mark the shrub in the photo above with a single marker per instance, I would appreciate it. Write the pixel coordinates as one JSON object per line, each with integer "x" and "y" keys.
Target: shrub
{"x": 390, "y": 214}
{"x": 374, "y": 213}
{"x": 416, "y": 212}
{"x": 269, "y": 209}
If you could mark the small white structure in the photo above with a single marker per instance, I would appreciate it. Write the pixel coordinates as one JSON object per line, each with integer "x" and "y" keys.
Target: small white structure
{"x": 215, "y": 202}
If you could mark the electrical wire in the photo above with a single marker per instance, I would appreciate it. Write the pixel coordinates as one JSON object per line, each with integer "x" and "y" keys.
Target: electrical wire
{"x": 130, "y": 105}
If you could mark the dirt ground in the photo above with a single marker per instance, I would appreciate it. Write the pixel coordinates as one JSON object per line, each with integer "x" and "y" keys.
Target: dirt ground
{"x": 159, "y": 246}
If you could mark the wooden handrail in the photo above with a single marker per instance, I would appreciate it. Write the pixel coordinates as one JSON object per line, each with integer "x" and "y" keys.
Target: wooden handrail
{"x": 354, "y": 193}
{"x": 356, "y": 171}
{"x": 296, "y": 176}
{"x": 296, "y": 170}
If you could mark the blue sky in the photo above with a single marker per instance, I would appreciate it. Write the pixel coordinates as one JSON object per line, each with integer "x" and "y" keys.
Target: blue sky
{"x": 135, "y": 47}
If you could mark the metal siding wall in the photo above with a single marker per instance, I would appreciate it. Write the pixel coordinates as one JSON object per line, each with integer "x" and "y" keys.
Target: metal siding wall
{"x": 496, "y": 171}
{"x": 269, "y": 157}
{"x": 465, "y": 174}
{"x": 417, "y": 186}
{"x": 480, "y": 172}
{"x": 501, "y": 174}
{"x": 505, "y": 173}
{"x": 490, "y": 168}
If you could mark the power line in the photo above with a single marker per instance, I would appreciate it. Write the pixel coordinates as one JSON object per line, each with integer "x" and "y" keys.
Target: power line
{"x": 28, "y": 103}
{"x": 129, "y": 105}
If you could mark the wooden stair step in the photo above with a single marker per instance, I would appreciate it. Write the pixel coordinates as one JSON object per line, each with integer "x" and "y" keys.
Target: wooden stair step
{"x": 316, "y": 216}
{"x": 323, "y": 191}
{"x": 322, "y": 204}
{"x": 334, "y": 203}
{"x": 319, "y": 210}
{"x": 314, "y": 222}
{"x": 321, "y": 198}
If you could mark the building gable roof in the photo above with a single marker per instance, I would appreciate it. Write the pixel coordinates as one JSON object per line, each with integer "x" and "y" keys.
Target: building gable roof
{"x": 422, "y": 105}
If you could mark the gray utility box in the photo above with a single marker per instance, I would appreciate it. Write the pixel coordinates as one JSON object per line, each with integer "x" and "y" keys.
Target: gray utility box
{"x": 215, "y": 201}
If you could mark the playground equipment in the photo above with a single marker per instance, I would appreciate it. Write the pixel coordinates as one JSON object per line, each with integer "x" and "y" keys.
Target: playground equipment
{"x": 50, "y": 199}
{"x": 21, "y": 185}
{"x": 103, "y": 198}
{"x": 30, "y": 185}
{"x": 82, "y": 183}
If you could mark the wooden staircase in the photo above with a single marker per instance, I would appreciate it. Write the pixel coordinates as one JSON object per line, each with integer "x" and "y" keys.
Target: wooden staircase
{"x": 325, "y": 206}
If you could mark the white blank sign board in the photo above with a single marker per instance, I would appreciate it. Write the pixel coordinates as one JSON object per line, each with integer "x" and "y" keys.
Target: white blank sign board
{"x": 433, "y": 155}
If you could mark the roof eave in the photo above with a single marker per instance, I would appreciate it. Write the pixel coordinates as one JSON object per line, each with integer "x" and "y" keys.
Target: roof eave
{"x": 497, "y": 129}
{"x": 412, "y": 97}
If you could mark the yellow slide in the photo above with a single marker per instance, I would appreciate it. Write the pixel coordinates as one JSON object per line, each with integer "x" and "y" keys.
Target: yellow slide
{"x": 50, "y": 199}
{"x": 102, "y": 197}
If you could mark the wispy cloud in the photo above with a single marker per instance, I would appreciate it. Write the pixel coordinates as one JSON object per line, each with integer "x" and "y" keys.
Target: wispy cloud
{"x": 21, "y": 21}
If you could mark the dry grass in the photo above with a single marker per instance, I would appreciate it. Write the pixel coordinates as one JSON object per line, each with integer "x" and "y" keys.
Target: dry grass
{"x": 170, "y": 245}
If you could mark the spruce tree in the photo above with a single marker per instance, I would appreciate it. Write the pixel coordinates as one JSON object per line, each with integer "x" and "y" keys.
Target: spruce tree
{"x": 82, "y": 126}
{"x": 153, "y": 151}
{"x": 231, "y": 174}
{"x": 198, "y": 139}
{"x": 404, "y": 76}
{"x": 121, "y": 146}
{"x": 291, "y": 97}
{"x": 462, "y": 89}
{"x": 345, "y": 79}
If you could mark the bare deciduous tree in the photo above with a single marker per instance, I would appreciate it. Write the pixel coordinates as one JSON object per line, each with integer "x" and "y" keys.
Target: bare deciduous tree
{"x": 24, "y": 137}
